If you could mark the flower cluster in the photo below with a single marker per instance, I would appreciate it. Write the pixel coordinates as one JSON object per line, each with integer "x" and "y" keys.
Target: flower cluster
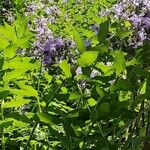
{"x": 138, "y": 13}
{"x": 43, "y": 13}
{"x": 54, "y": 50}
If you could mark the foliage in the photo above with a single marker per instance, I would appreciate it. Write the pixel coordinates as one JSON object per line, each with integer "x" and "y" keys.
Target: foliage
{"x": 94, "y": 97}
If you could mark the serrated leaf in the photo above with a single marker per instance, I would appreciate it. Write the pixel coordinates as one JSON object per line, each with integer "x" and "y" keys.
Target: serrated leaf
{"x": 103, "y": 31}
{"x": 26, "y": 90}
{"x": 44, "y": 117}
{"x": 3, "y": 42}
{"x": 107, "y": 70}
{"x": 5, "y": 124}
{"x": 78, "y": 41}
{"x": 21, "y": 25}
{"x": 21, "y": 63}
{"x": 65, "y": 66}
{"x": 19, "y": 101}
{"x": 119, "y": 62}
{"x": 8, "y": 31}
{"x": 87, "y": 58}
{"x": 100, "y": 91}
{"x": 10, "y": 51}
{"x": 4, "y": 93}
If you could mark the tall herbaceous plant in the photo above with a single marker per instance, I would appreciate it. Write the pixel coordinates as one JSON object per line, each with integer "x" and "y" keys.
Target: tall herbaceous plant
{"x": 74, "y": 75}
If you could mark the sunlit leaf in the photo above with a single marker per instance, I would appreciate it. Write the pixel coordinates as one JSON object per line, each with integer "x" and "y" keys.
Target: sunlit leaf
{"x": 87, "y": 58}
{"x": 119, "y": 62}
{"x": 79, "y": 42}
{"x": 65, "y": 66}
{"x": 44, "y": 117}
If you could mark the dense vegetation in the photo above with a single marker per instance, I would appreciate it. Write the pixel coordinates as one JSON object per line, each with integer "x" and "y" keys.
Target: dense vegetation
{"x": 74, "y": 75}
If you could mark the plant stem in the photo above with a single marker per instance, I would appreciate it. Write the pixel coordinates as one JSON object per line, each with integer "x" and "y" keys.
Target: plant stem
{"x": 2, "y": 117}
{"x": 30, "y": 136}
{"x": 34, "y": 127}
{"x": 147, "y": 130}
{"x": 90, "y": 128}
{"x": 52, "y": 96}
{"x": 39, "y": 82}
{"x": 101, "y": 132}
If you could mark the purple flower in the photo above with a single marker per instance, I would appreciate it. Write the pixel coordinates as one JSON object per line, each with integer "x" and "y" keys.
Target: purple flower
{"x": 58, "y": 43}
{"x": 87, "y": 42}
{"x": 53, "y": 44}
{"x": 118, "y": 8}
{"x": 95, "y": 28}
{"x": 52, "y": 49}
{"x": 47, "y": 59}
{"x": 136, "y": 20}
{"x": 142, "y": 35}
{"x": 146, "y": 22}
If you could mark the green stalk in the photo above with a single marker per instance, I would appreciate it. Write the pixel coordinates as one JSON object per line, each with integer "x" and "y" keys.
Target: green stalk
{"x": 86, "y": 135}
{"x": 39, "y": 82}
{"x": 147, "y": 130}
{"x": 2, "y": 134}
{"x": 34, "y": 127}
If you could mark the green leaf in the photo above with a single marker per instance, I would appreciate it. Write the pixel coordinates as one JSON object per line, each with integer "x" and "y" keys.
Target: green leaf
{"x": 21, "y": 25}
{"x": 100, "y": 91}
{"x": 142, "y": 89}
{"x": 21, "y": 64}
{"x": 119, "y": 62}
{"x": 87, "y": 58}
{"x": 19, "y": 101}
{"x": 92, "y": 102}
{"x": 10, "y": 51}
{"x": 4, "y": 93}
{"x": 121, "y": 85}
{"x": 17, "y": 123}
{"x": 44, "y": 117}
{"x": 8, "y": 31}
{"x": 65, "y": 66}
{"x": 3, "y": 42}
{"x": 78, "y": 41}
{"x": 104, "y": 108}
{"x": 142, "y": 132}
{"x": 77, "y": 130}
{"x": 103, "y": 31}
{"x": 6, "y": 124}
{"x": 25, "y": 90}
{"x": 107, "y": 70}
{"x": 74, "y": 96}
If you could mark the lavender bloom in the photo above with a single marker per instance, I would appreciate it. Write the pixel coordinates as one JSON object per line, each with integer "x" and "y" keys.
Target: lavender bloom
{"x": 118, "y": 8}
{"x": 142, "y": 35}
{"x": 47, "y": 60}
{"x": 138, "y": 13}
{"x": 87, "y": 42}
{"x": 53, "y": 49}
{"x": 95, "y": 28}
{"x": 146, "y": 22}
{"x": 58, "y": 43}
{"x": 51, "y": 44}
{"x": 136, "y": 20}
{"x": 78, "y": 71}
